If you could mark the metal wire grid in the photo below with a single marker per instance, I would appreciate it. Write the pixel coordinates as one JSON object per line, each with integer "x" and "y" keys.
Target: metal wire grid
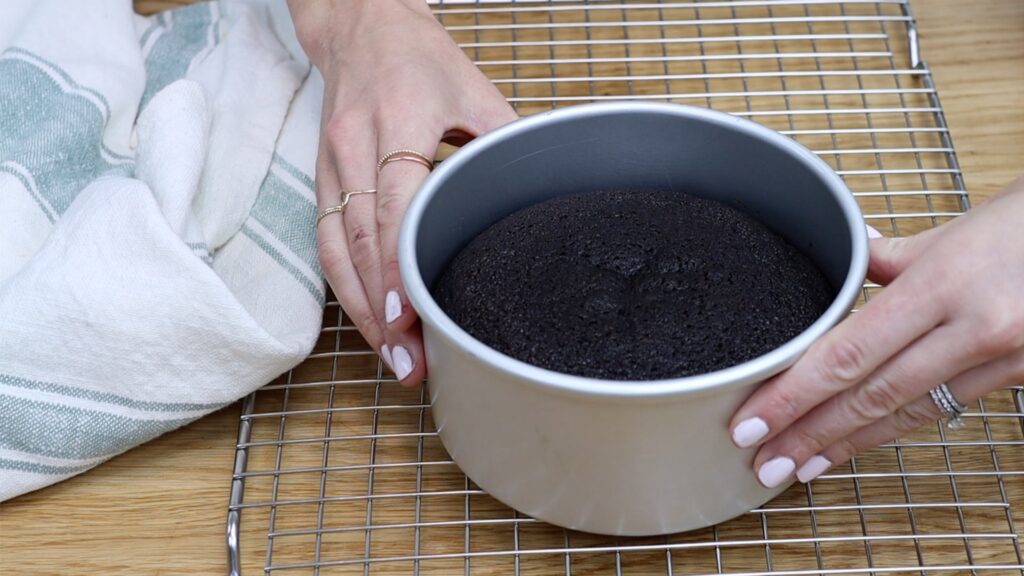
{"x": 339, "y": 470}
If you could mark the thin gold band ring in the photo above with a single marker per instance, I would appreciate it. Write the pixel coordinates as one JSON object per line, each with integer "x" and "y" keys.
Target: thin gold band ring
{"x": 345, "y": 196}
{"x": 407, "y": 155}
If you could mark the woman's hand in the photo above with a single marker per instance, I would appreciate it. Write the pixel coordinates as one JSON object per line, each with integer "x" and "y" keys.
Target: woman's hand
{"x": 952, "y": 311}
{"x": 393, "y": 79}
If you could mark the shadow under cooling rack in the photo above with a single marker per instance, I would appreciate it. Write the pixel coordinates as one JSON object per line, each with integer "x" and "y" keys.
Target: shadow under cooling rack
{"x": 339, "y": 470}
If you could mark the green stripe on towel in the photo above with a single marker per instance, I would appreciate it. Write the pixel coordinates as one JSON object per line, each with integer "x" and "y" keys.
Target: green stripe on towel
{"x": 33, "y": 468}
{"x": 107, "y": 397}
{"x": 299, "y": 175}
{"x": 55, "y": 136}
{"x": 41, "y": 62}
{"x": 53, "y": 68}
{"x": 290, "y": 216}
{"x": 172, "y": 53}
{"x": 61, "y": 431}
{"x": 314, "y": 289}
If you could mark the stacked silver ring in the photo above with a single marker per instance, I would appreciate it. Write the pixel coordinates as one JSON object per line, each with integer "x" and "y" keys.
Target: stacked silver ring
{"x": 951, "y": 409}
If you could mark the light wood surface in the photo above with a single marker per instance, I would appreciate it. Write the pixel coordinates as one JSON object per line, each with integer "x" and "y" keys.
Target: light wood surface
{"x": 160, "y": 509}
{"x": 977, "y": 58}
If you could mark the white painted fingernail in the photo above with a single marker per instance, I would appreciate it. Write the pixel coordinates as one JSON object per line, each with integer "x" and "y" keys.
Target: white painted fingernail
{"x": 872, "y": 233}
{"x": 385, "y": 353}
{"x": 813, "y": 468}
{"x": 392, "y": 307}
{"x": 403, "y": 362}
{"x": 775, "y": 471}
{"x": 748, "y": 432}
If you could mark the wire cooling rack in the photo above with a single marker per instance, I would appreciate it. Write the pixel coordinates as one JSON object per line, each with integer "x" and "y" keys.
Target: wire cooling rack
{"x": 339, "y": 470}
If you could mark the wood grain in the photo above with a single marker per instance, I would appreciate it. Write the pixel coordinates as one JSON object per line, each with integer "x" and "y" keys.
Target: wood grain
{"x": 160, "y": 509}
{"x": 977, "y": 59}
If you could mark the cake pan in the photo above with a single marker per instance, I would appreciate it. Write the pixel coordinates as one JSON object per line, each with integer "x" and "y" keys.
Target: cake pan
{"x": 605, "y": 456}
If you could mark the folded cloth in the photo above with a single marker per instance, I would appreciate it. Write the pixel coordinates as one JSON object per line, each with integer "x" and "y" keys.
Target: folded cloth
{"x": 157, "y": 245}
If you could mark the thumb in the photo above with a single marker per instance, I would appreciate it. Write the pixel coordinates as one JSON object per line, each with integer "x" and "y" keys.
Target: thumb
{"x": 889, "y": 257}
{"x": 490, "y": 112}
{"x": 497, "y": 114}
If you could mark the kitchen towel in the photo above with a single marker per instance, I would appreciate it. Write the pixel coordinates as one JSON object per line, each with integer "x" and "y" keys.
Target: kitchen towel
{"x": 158, "y": 253}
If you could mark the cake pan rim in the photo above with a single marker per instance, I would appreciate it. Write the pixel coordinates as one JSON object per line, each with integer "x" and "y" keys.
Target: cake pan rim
{"x": 751, "y": 371}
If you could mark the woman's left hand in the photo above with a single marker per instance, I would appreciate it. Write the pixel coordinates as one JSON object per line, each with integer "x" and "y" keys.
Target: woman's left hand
{"x": 952, "y": 311}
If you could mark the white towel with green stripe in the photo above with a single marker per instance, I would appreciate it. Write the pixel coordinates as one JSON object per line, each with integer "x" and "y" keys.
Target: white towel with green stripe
{"x": 157, "y": 248}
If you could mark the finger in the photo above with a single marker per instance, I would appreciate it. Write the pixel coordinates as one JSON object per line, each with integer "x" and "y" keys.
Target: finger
{"x": 397, "y": 182}
{"x": 889, "y": 257}
{"x": 360, "y": 225}
{"x": 489, "y": 113}
{"x": 898, "y": 382}
{"x": 407, "y": 358}
{"x": 484, "y": 106}
{"x": 845, "y": 356}
{"x": 352, "y": 143}
{"x": 344, "y": 279}
{"x": 966, "y": 388}
{"x": 904, "y": 421}
{"x": 337, "y": 263}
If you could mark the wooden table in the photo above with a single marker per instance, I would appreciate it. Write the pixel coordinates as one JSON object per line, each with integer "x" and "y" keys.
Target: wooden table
{"x": 160, "y": 509}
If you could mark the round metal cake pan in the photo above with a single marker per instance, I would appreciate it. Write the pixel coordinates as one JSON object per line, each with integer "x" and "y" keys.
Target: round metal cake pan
{"x": 607, "y": 456}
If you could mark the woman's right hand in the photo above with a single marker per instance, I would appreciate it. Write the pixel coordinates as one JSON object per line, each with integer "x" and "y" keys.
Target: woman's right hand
{"x": 393, "y": 79}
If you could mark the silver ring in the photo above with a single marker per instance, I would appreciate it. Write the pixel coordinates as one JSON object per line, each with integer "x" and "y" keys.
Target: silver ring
{"x": 951, "y": 409}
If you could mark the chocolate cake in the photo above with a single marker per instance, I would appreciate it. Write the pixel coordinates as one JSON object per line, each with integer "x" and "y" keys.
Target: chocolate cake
{"x": 632, "y": 285}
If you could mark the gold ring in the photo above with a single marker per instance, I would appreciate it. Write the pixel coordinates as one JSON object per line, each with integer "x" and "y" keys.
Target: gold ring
{"x": 406, "y": 155}
{"x": 345, "y": 197}
{"x": 323, "y": 213}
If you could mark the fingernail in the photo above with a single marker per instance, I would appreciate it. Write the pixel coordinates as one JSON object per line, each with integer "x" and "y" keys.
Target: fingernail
{"x": 385, "y": 353}
{"x": 813, "y": 468}
{"x": 748, "y": 432}
{"x": 403, "y": 362}
{"x": 392, "y": 307}
{"x": 872, "y": 233}
{"x": 775, "y": 471}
